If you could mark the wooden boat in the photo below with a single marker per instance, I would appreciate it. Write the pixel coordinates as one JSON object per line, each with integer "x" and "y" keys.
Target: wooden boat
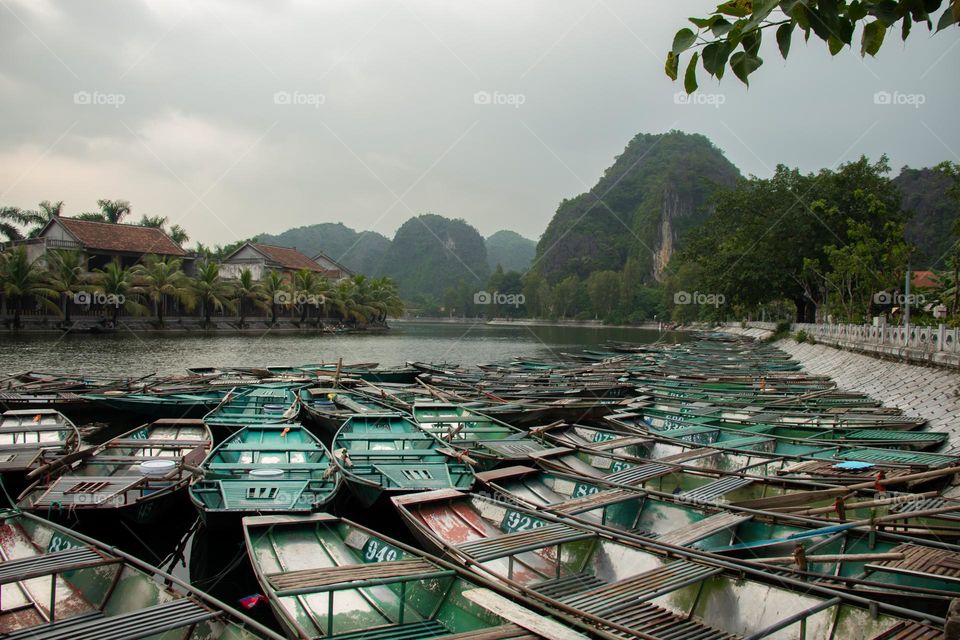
{"x": 868, "y": 562}
{"x": 264, "y": 469}
{"x": 194, "y": 404}
{"x": 31, "y": 438}
{"x": 835, "y": 465}
{"x": 634, "y": 589}
{"x": 260, "y": 404}
{"x": 484, "y": 439}
{"x": 137, "y": 476}
{"x": 389, "y": 454}
{"x": 326, "y": 577}
{"x": 329, "y": 408}
{"x": 401, "y": 375}
{"x": 806, "y": 421}
{"x": 58, "y": 584}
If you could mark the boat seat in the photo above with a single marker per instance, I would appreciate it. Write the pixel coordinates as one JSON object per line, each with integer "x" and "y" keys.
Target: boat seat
{"x": 176, "y": 614}
{"x": 138, "y": 443}
{"x": 503, "y": 632}
{"x": 573, "y": 583}
{"x": 280, "y": 446}
{"x": 48, "y": 563}
{"x": 688, "y": 534}
{"x": 712, "y": 491}
{"x": 331, "y": 578}
{"x": 423, "y": 630}
{"x": 511, "y": 448}
{"x": 513, "y": 543}
{"x": 609, "y": 598}
{"x": 751, "y": 442}
{"x": 401, "y": 435}
{"x": 593, "y": 501}
{"x": 640, "y": 473}
{"x": 285, "y": 466}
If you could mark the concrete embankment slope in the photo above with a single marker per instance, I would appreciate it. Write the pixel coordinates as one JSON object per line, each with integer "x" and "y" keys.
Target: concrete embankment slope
{"x": 929, "y": 392}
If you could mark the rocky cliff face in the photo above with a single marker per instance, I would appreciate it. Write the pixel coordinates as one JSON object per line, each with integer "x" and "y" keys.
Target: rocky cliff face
{"x": 643, "y": 206}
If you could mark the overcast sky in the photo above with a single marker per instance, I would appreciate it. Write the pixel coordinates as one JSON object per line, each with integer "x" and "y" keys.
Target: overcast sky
{"x": 237, "y": 117}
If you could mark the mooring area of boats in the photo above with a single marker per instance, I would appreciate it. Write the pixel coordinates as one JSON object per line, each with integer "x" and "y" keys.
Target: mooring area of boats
{"x": 708, "y": 489}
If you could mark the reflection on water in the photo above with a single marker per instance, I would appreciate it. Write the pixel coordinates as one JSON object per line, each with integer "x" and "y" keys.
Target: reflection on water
{"x": 139, "y": 354}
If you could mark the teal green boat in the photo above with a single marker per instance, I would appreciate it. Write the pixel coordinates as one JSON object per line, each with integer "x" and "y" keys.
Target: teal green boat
{"x": 260, "y": 404}
{"x": 193, "y": 404}
{"x": 488, "y": 441}
{"x": 264, "y": 469}
{"x": 58, "y": 585}
{"x": 328, "y": 408}
{"x": 752, "y": 534}
{"x": 327, "y": 577}
{"x": 389, "y": 454}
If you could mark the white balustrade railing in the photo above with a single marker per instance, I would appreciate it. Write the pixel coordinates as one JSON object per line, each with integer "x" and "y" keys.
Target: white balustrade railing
{"x": 921, "y": 338}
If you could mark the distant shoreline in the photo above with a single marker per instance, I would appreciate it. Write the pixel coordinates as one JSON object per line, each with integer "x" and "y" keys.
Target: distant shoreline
{"x": 528, "y": 322}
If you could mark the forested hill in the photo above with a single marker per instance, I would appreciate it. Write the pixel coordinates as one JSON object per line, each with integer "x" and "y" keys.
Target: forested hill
{"x": 362, "y": 251}
{"x": 642, "y": 207}
{"x": 431, "y": 253}
{"x": 924, "y": 193}
{"x": 510, "y": 250}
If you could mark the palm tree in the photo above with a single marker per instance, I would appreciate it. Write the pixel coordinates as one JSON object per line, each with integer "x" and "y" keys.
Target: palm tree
{"x": 308, "y": 288}
{"x": 66, "y": 274}
{"x": 277, "y": 291}
{"x": 114, "y": 211}
{"x": 12, "y": 219}
{"x": 384, "y": 297}
{"x": 212, "y": 292}
{"x": 22, "y": 278}
{"x": 117, "y": 282}
{"x": 160, "y": 279}
{"x": 179, "y": 235}
{"x": 246, "y": 288}
{"x": 154, "y": 222}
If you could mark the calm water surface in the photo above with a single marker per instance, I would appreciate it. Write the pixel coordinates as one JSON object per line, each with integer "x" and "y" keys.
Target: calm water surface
{"x": 140, "y": 354}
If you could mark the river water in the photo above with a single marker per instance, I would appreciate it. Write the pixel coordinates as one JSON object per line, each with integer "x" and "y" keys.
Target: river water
{"x": 136, "y": 354}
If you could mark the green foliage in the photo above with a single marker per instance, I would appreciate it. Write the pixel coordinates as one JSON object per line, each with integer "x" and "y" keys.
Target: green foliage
{"x": 802, "y": 336}
{"x": 510, "y": 250}
{"x": 161, "y": 280}
{"x": 927, "y": 197}
{"x": 659, "y": 180}
{"x": 22, "y": 279}
{"x": 732, "y": 34}
{"x": 210, "y": 290}
{"x": 362, "y": 252}
{"x": 430, "y": 253}
{"x": 802, "y": 238}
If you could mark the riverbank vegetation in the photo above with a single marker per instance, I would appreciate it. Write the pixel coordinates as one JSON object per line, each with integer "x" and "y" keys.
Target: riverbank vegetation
{"x": 158, "y": 287}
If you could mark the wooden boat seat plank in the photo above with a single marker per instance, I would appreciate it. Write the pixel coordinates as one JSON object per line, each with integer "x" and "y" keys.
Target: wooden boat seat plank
{"x": 503, "y": 632}
{"x": 48, "y": 563}
{"x": 587, "y": 503}
{"x": 153, "y": 443}
{"x": 609, "y": 598}
{"x": 510, "y": 544}
{"x": 328, "y": 576}
{"x": 175, "y": 614}
{"x": 101, "y": 488}
{"x": 713, "y": 490}
{"x": 640, "y": 473}
{"x": 705, "y": 528}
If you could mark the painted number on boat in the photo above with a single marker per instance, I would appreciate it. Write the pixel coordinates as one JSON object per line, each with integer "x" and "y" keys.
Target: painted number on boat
{"x": 379, "y": 551}
{"x": 59, "y": 543}
{"x": 583, "y": 490}
{"x": 139, "y": 435}
{"x": 600, "y": 436}
{"x": 514, "y": 522}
